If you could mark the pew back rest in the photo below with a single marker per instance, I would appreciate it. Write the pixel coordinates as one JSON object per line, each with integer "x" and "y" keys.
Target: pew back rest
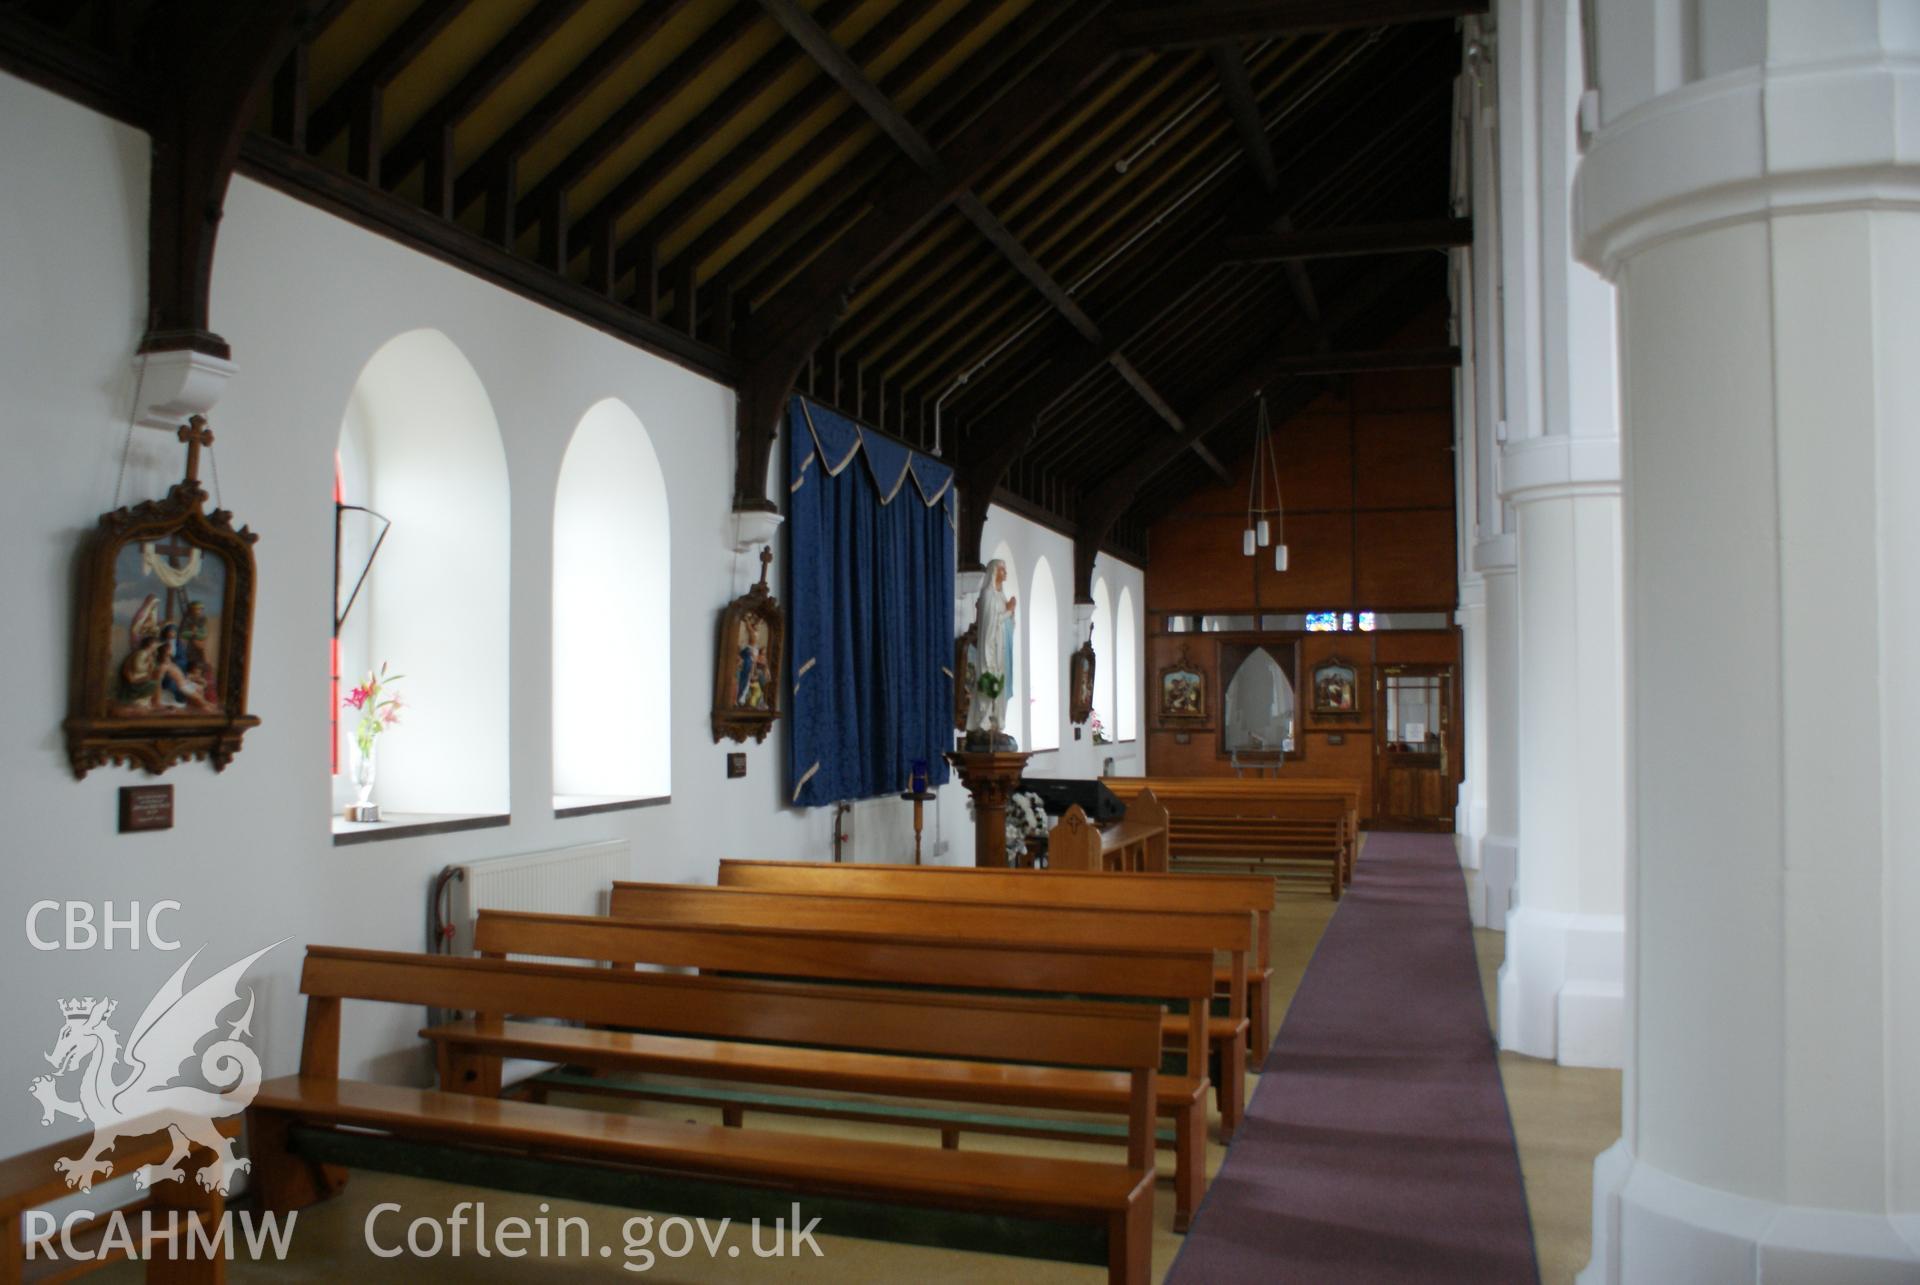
{"x": 1055, "y": 1033}
{"x": 1164, "y": 892}
{"x": 1118, "y": 972}
{"x": 943, "y": 917}
{"x": 1184, "y": 977}
{"x": 1316, "y": 810}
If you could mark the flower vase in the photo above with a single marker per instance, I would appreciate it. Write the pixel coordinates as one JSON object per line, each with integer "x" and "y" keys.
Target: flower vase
{"x": 365, "y": 768}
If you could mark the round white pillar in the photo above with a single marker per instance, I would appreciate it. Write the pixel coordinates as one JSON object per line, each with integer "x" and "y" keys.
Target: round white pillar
{"x": 1561, "y": 984}
{"x": 1470, "y": 810}
{"x": 1500, "y": 845}
{"x": 1754, "y": 192}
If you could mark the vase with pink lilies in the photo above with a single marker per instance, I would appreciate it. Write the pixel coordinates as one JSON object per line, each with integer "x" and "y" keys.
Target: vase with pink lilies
{"x": 378, "y": 704}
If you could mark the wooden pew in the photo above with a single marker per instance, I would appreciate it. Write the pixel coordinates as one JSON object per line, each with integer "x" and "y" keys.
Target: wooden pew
{"x": 1162, "y": 975}
{"x": 1096, "y": 928}
{"x": 1050, "y": 887}
{"x": 1137, "y": 844}
{"x": 1283, "y": 825}
{"x": 30, "y": 1180}
{"x": 305, "y": 1128}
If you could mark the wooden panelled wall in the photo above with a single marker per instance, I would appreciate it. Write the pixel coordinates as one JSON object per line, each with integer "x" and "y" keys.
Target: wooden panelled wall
{"x": 1368, "y": 483}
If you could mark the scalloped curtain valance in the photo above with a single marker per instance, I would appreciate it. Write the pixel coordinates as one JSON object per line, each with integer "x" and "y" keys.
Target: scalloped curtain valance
{"x": 869, "y": 610}
{"x": 832, "y": 441}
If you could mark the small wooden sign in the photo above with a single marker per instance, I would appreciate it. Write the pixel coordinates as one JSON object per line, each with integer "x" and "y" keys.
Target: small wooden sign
{"x": 145, "y": 807}
{"x": 736, "y": 765}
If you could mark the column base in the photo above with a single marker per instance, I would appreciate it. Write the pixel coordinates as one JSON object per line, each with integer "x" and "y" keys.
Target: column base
{"x": 1650, "y": 1226}
{"x": 1492, "y": 892}
{"x": 1562, "y": 990}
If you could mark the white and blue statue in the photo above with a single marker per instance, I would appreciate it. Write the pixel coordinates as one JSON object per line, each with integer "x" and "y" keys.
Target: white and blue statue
{"x": 992, "y": 659}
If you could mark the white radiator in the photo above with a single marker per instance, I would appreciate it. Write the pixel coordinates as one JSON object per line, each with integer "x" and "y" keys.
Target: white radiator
{"x": 562, "y": 881}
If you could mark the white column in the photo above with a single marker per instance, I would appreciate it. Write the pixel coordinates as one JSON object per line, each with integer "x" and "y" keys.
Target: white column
{"x": 1561, "y": 990}
{"x": 1470, "y": 810}
{"x": 1489, "y": 625}
{"x": 1754, "y": 191}
{"x": 1500, "y": 845}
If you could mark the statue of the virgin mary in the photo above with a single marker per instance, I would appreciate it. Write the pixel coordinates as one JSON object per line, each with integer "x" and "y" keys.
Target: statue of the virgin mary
{"x": 992, "y": 661}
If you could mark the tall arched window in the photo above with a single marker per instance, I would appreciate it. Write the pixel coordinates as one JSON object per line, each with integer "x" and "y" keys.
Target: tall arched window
{"x": 1041, "y": 608}
{"x": 420, "y": 448}
{"x": 1017, "y": 698}
{"x": 1126, "y": 669}
{"x": 612, "y": 610}
{"x": 1103, "y": 658}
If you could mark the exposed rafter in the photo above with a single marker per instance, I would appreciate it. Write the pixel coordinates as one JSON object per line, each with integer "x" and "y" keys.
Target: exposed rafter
{"x": 394, "y": 55}
{"x": 784, "y": 333}
{"x": 430, "y": 140}
{"x": 1329, "y": 243}
{"x": 1084, "y": 234}
{"x": 1192, "y": 23}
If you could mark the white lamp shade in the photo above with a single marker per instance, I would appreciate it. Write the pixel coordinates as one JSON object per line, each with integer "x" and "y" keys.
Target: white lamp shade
{"x": 1279, "y": 557}
{"x": 1264, "y": 534}
{"x": 1246, "y": 542}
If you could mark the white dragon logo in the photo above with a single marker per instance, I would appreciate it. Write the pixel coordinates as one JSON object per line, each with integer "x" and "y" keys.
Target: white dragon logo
{"x": 147, "y": 1099}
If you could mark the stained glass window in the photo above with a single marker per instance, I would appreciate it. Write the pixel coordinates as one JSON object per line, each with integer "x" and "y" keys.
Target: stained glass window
{"x": 1366, "y": 622}
{"x": 1322, "y": 622}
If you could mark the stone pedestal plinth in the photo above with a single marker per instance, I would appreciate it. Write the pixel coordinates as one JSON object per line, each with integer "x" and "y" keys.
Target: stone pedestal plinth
{"x": 991, "y": 778}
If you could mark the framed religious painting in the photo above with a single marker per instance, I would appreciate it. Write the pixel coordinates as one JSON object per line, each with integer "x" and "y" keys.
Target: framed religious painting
{"x": 1335, "y": 686}
{"x": 1080, "y": 667}
{"x": 163, "y": 632}
{"x": 746, "y": 688}
{"x": 1182, "y": 692}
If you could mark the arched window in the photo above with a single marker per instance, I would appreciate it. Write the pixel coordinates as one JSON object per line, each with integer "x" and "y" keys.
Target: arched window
{"x": 420, "y": 448}
{"x": 1126, "y": 670}
{"x": 1041, "y": 609}
{"x": 612, "y": 611}
{"x": 1017, "y": 698}
{"x": 1103, "y": 658}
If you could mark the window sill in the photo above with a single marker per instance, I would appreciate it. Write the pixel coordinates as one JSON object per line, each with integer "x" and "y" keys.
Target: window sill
{"x": 584, "y": 805}
{"x": 407, "y": 825}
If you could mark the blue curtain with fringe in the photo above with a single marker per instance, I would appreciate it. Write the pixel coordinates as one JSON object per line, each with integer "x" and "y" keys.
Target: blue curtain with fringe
{"x": 870, "y": 530}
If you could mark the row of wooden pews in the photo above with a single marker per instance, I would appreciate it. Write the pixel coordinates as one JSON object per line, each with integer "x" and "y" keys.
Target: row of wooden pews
{"x": 1086, "y": 1006}
{"x": 308, "y": 1129}
{"x": 1288, "y": 827}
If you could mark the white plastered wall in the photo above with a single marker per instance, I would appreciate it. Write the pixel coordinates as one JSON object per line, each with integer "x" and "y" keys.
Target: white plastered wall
{"x": 306, "y": 300}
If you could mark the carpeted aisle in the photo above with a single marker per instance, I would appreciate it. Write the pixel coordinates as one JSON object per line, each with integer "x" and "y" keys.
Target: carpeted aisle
{"x": 1377, "y": 1147}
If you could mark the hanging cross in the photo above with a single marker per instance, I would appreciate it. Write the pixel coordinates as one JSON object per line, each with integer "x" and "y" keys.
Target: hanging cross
{"x": 195, "y": 434}
{"x": 177, "y": 551}
{"x": 766, "y": 561}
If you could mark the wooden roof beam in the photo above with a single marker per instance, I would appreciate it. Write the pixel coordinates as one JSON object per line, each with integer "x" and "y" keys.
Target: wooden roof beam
{"x": 196, "y": 124}
{"x": 652, "y": 97}
{"x": 1191, "y": 23}
{"x": 394, "y": 55}
{"x": 777, "y": 339}
{"x": 1336, "y": 242}
{"x": 1236, "y": 90}
{"x": 621, "y": 44}
{"x": 818, "y": 43}
{"x": 428, "y": 134}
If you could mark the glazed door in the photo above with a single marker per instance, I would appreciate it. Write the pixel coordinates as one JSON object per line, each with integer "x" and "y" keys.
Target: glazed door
{"x": 1413, "y": 787}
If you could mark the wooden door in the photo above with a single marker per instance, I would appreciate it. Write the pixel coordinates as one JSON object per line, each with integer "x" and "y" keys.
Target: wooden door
{"x": 1413, "y": 747}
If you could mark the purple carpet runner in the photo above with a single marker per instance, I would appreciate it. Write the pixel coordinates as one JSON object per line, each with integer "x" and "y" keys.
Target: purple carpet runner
{"x": 1378, "y": 1146}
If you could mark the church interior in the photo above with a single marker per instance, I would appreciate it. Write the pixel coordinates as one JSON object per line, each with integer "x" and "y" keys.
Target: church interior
{"x": 982, "y": 639}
